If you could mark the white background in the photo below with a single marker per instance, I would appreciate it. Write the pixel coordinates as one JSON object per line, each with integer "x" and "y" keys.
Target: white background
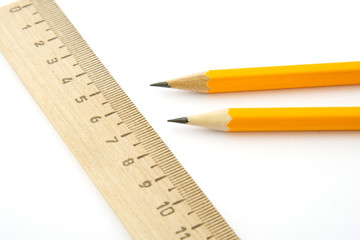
{"x": 270, "y": 186}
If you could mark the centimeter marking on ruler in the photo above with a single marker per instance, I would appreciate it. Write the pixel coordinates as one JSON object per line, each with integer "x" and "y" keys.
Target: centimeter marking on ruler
{"x": 137, "y": 174}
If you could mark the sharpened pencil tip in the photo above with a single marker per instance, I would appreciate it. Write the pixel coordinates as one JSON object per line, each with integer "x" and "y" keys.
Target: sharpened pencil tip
{"x": 160, "y": 84}
{"x": 182, "y": 120}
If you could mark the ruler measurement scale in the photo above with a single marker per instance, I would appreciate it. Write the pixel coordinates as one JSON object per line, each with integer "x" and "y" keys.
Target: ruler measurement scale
{"x": 134, "y": 170}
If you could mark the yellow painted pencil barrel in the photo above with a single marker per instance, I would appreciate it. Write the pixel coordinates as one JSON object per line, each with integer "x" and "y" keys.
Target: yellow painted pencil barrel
{"x": 268, "y": 78}
{"x": 278, "y": 119}
{"x": 299, "y": 76}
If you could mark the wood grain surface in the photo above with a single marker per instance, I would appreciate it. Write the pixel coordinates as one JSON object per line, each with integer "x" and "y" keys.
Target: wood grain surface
{"x": 146, "y": 186}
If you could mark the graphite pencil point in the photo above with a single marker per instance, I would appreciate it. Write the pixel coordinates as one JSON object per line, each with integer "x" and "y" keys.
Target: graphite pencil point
{"x": 160, "y": 84}
{"x": 182, "y": 120}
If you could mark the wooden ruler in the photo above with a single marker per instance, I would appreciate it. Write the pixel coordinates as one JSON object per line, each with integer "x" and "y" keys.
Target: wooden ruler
{"x": 147, "y": 187}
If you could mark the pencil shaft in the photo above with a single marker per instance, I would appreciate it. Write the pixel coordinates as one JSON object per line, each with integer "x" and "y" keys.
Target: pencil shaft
{"x": 298, "y": 76}
{"x": 295, "y": 119}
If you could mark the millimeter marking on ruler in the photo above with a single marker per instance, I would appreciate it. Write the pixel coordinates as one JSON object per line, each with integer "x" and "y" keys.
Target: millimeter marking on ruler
{"x": 134, "y": 170}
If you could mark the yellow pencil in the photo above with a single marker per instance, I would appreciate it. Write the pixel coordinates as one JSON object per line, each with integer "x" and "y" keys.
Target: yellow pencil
{"x": 265, "y": 78}
{"x": 277, "y": 119}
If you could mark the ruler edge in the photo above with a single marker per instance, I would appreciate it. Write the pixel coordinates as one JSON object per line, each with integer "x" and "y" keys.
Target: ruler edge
{"x": 216, "y": 224}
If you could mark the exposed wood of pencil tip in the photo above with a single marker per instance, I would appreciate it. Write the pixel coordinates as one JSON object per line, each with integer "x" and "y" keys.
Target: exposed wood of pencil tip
{"x": 217, "y": 120}
{"x": 195, "y": 82}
